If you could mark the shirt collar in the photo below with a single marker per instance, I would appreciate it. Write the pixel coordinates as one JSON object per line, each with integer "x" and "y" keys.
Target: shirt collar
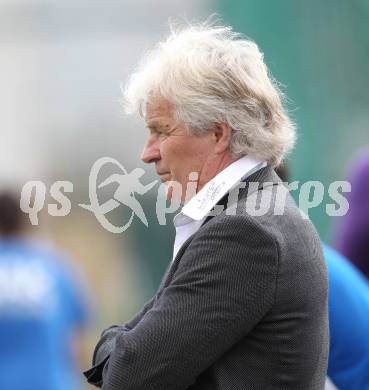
{"x": 201, "y": 204}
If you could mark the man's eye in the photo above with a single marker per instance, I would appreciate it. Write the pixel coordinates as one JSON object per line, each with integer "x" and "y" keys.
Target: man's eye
{"x": 162, "y": 135}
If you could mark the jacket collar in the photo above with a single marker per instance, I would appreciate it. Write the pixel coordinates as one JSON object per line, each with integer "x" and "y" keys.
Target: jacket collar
{"x": 213, "y": 191}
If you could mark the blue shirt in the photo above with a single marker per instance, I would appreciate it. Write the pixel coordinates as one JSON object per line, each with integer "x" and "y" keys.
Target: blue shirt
{"x": 348, "y": 365}
{"x": 40, "y": 308}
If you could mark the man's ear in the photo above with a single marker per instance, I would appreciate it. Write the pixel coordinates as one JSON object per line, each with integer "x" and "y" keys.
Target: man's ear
{"x": 222, "y": 134}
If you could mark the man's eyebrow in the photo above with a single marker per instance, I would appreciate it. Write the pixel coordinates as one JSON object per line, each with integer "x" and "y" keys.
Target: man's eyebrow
{"x": 153, "y": 124}
{"x": 156, "y": 125}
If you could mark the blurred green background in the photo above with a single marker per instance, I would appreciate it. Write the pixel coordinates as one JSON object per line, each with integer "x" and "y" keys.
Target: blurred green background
{"x": 319, "y": 52}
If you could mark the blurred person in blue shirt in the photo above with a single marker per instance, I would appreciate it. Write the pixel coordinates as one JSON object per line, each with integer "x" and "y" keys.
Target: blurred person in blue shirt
{"x": 348, "y": 364}
{"x": 41, "y": 310}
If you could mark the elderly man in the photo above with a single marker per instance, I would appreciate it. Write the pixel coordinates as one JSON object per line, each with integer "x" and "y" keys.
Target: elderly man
{"x": 243, "y": 304}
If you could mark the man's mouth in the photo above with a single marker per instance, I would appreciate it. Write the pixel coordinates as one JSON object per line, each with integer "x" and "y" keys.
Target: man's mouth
{"x": 165, "y": 176}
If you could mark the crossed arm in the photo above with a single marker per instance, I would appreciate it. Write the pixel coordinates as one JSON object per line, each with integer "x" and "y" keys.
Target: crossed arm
{"x": 224, "y": 285}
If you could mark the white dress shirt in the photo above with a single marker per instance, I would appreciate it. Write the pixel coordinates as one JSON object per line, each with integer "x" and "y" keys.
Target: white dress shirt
{"x": 194, "y": 213}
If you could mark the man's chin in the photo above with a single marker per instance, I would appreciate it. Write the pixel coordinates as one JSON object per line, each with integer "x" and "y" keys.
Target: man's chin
{"x": 170, "y": 192}
{"x": 173, "y": 192}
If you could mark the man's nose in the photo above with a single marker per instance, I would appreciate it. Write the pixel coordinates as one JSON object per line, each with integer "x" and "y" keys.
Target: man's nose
{"x": 151, "y": 152}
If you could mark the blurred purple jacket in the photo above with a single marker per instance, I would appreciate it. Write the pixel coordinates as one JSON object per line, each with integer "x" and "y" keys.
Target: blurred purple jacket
{"x": 352, "y": 234}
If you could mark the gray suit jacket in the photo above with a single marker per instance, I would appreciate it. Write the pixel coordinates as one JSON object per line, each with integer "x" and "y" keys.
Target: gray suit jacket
{"x": 242, "y": 306}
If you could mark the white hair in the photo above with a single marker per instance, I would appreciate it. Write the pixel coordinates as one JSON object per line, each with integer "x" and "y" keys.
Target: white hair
{"x": 212, "y": 75}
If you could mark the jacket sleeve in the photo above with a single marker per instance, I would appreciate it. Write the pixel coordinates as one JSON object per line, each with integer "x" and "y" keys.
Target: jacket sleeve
{"x": 106, "y": 344}
{"x": 224, "y": 284}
